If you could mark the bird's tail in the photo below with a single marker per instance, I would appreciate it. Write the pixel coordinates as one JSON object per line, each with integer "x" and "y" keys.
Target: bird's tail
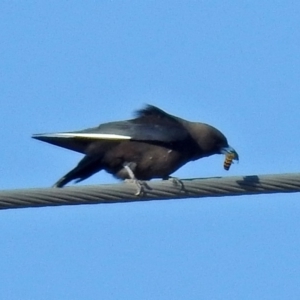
{"x": 88, "y": 166}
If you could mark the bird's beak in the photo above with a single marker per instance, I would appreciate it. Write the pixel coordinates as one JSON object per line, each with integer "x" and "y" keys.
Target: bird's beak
{"x": 229, "y": 150}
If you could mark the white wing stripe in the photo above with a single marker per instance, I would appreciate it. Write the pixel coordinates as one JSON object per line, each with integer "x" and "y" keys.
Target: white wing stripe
{"x": 96, "y": 136}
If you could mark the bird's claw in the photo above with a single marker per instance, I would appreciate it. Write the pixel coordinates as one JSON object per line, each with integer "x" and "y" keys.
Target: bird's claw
{"x": 140, "y": 185}
{"x": 176, "y": 181}
{"x": 140, "y": 188}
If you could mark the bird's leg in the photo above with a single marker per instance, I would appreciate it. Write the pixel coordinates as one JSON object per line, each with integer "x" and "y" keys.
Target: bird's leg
{"x": 139, "y": 184}
{"x": 176, "y": 181}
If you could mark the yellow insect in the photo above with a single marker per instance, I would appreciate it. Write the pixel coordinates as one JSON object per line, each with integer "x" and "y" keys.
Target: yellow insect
{"x": 228, "y": 160}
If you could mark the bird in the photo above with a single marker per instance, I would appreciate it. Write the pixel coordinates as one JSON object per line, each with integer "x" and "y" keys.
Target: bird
{"x": 152, "y": 145}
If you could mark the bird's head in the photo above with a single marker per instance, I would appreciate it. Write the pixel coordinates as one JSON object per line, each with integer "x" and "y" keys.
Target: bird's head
{"x": 211, "y": 141}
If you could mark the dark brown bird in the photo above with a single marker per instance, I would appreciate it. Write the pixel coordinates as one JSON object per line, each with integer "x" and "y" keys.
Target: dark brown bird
{"x": 153, "y": 145}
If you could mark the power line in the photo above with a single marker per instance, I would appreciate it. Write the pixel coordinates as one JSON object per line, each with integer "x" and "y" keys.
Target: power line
{"x": 156, "y": 190}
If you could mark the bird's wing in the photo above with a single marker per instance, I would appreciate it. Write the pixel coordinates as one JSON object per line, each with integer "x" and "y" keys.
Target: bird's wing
{"x": 78, "y": 145}
{"x": 151, "y": 124}
{"x": 118, "y": 131}
{"x": 137, "y": 130}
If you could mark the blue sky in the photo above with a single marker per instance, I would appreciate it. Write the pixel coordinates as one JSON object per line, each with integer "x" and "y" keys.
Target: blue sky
{"x": 71, "y": 65}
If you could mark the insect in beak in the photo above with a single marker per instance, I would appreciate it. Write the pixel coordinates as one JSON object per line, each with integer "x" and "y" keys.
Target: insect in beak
{"x": 228, "y": 160}
{"x": 230, "y": 155}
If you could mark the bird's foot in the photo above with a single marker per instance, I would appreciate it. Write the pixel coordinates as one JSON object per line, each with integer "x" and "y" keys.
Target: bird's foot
{"x": 140, "y": 185}
{"x": 176, "y": 181}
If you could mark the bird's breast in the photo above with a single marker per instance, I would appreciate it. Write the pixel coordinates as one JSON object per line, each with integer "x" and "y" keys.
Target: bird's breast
{"x": 150, "y": 160}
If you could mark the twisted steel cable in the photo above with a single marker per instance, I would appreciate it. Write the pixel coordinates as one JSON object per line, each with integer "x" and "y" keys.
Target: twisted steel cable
{"x": 155, "y": 190}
